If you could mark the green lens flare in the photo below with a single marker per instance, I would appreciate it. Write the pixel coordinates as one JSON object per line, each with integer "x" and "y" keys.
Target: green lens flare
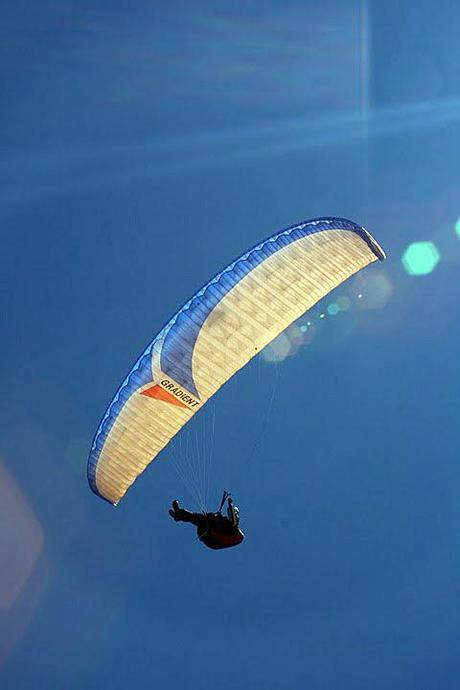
{"x": 420, "y": 258}
{"x": 333, "y": 309}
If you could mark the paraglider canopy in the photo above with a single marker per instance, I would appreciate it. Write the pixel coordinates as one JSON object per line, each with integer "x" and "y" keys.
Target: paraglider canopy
{"x": 217, "y": 332}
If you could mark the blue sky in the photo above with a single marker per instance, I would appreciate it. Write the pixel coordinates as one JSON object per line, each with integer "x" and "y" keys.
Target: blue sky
{"x": 143, "y": 148}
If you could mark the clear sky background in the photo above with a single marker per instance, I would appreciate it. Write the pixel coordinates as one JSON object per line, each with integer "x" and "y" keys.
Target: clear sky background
{"x": 144, "y": 146}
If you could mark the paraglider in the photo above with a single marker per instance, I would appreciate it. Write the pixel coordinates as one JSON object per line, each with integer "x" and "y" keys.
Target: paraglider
{"x": 215, "y": 530}
{"x": 216, "y": 333}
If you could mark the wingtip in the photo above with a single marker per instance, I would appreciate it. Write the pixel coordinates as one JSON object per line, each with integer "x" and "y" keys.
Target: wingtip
{"x": 375, "y": 246}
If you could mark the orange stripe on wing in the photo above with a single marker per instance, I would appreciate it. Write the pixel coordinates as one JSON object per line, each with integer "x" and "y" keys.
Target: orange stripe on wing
{"x": 159, "y": 393}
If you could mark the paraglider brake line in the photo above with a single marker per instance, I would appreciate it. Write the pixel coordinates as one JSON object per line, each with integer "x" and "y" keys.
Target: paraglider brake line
{"x": 224, "y": 498}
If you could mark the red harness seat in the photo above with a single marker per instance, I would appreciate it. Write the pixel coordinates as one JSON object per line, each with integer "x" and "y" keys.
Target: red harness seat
{"x": 217, "y": 532}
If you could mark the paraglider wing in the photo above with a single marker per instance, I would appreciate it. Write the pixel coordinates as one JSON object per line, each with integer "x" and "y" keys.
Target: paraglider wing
{"x": 217, "y": 332}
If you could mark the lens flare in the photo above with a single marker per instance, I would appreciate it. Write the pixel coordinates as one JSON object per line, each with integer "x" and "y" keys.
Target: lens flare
{"x": 333, "y": 309}
{"x": 289, "y": 342}
{"x": 278, "y": 349}
{"x": 372, "y": 291}
{"x": 21, "y": 539}
{"x": 343, "y": 303}
{"x": 420, "y": 258}
{"x": 309, "y": 334}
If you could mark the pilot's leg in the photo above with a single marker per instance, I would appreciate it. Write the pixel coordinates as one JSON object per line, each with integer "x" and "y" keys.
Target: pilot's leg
{"x": 182, "y": 515}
